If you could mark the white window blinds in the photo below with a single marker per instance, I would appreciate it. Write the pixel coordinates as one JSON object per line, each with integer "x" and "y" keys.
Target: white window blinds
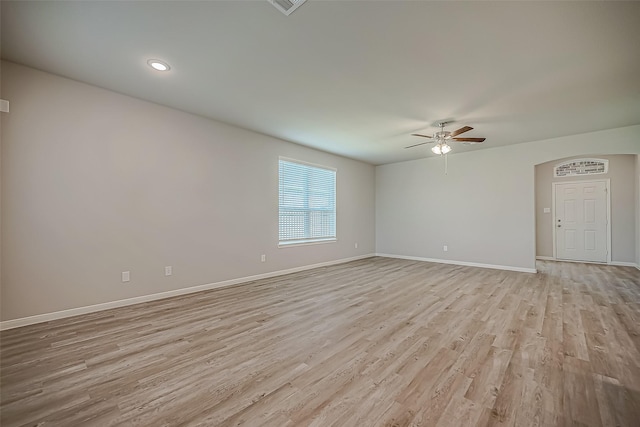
{"x": 307, "y": 203}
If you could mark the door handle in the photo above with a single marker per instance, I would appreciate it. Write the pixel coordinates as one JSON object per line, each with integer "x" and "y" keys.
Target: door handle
{"x": 559, "y": 226}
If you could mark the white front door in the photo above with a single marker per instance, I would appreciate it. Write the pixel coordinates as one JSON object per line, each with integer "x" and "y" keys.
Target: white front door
{"x": 581, "y": 221}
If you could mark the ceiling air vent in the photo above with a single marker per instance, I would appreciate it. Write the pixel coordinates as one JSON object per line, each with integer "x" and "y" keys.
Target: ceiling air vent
{"x": 287, "y": 6}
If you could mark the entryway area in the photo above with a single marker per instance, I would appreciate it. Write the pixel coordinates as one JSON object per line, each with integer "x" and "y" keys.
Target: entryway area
{"x": 585, "y": 209}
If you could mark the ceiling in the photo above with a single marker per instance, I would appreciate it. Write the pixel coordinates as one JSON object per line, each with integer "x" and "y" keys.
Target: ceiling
{"x": 354, "y": 78}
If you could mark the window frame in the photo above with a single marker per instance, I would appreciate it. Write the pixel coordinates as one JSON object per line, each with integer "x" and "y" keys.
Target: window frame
{"x": 310, "y": 240}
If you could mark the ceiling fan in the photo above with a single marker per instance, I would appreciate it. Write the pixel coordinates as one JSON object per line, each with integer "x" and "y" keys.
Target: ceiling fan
{"x": 442, "y": 138}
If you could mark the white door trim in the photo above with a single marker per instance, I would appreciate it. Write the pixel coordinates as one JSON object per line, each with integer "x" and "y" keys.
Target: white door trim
{"x": 607, "y": 182}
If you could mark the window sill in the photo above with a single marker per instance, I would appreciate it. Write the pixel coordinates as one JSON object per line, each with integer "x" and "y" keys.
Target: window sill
{"x": 305, "y": 242}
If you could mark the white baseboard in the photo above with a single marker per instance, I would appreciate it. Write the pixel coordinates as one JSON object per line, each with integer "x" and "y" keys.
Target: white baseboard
{"x": 624, "y": 264}
{"x": 467, "y": 264}
{"x": 617, "y": 263}
{"x": 46, "y": 317}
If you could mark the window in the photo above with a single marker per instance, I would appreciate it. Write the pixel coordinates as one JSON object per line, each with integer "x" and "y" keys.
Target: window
{"x": 307, "y": 203}
{"x": 581, "y": 167}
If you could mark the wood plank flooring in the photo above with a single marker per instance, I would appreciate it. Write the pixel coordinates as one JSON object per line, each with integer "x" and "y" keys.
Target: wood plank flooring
{"x": 375, "y": 342}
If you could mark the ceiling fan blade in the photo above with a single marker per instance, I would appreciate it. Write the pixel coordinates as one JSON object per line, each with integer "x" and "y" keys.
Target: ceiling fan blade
{"x": 470, "y": 140}
{"x": 422, "y": 143}
{"x": 415, "y": 145}
{"x": 424, "y": 136}
{"x": 461, "y": 130}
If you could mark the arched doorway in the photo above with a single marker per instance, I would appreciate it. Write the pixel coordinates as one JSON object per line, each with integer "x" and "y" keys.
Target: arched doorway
{"x": 622, "y": 191}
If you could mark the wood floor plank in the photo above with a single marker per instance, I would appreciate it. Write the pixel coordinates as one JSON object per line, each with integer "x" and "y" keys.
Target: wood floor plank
{"x": 373, "y": 342}
{"x": 580, "y": 399}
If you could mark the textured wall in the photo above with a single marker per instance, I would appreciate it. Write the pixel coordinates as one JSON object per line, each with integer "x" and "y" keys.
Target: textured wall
{"x": 484, "y": 209}
{"x": 95, "y": 183}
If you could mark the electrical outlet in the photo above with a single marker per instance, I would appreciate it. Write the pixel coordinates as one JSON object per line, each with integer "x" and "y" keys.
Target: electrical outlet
{"x": 263, "y": 258}
{"x": 126, "y": 276}
{"x": 445, "y": 248}
{"x": 168, "y": 270}
{"x": 356, "y": 246}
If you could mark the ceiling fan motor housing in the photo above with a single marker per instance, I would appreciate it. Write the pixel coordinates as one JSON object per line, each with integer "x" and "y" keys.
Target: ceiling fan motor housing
{"x": 442, "y": 135}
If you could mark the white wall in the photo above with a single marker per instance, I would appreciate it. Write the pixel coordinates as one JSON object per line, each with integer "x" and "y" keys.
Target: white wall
{"x": 622, "y": 173}
{"x": 484, "y": 208}
{"x": 638, "y": 212}
{"x": 95, "y": 183}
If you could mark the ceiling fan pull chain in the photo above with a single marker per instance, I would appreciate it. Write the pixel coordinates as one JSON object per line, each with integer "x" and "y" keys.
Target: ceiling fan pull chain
{"x": 446, "y": 164}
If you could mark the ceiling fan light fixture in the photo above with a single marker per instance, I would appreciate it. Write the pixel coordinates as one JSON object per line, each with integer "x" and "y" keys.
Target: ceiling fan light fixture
{"x": 441, "y": 148}
{"x": 443, "y": 137}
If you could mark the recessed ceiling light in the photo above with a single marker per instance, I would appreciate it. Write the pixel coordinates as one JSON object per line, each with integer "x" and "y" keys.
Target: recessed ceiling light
{"x": 158, "y": 65}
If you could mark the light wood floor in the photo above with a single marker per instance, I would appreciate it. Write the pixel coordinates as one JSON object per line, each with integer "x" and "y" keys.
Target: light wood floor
{"x": 376, "y": 342}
